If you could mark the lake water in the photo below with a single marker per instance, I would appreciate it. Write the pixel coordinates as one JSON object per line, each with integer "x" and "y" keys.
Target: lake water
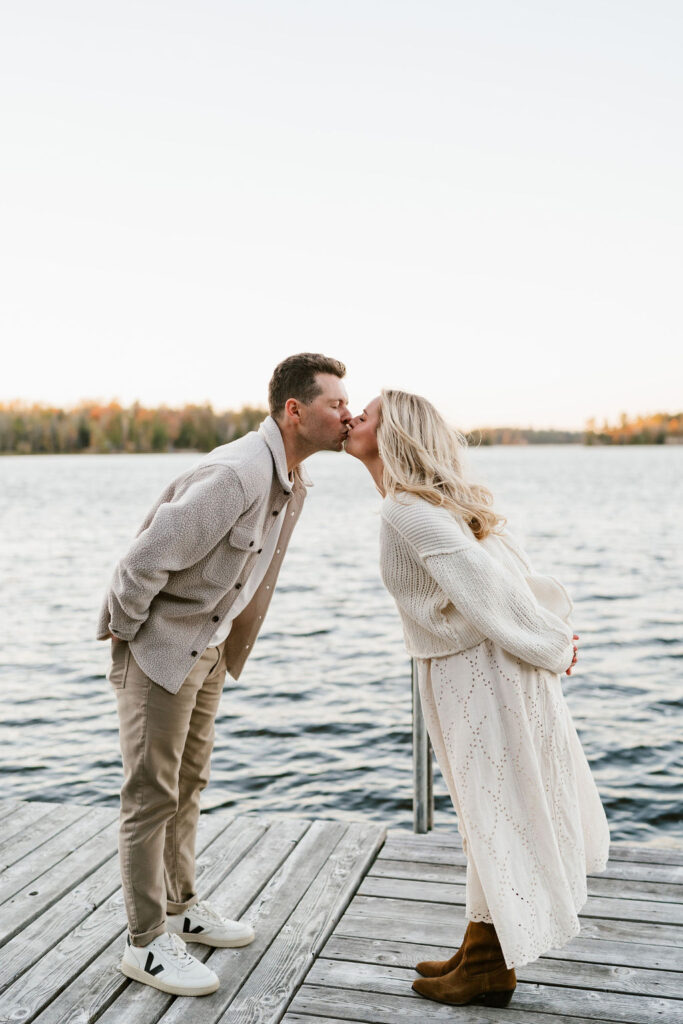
{"x": 319, "y": 723}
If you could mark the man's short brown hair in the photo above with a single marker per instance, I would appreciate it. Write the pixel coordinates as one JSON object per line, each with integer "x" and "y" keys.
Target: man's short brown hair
{"x": 295, "y": 376}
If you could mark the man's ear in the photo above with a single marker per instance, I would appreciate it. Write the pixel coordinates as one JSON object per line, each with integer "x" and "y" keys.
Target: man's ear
{"x": 292, "y": 410}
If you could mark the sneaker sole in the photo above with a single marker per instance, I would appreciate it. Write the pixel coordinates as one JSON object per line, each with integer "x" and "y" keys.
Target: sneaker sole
{"x": 137, "y": 974}
{"x": 222, "y": 943}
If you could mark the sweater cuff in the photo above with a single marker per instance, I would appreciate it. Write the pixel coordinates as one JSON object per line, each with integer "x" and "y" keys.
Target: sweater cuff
{"x": 566, "y": 659}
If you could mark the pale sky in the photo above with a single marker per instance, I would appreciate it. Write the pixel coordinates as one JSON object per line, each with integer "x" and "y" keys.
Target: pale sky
{"x": 480, "y": 202}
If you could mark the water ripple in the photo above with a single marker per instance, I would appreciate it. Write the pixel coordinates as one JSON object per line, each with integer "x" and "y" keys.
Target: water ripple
{"x": 319, "y": 723}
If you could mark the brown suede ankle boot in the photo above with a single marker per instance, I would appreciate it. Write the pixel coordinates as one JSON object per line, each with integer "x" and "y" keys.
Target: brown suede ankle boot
{"x": 435, "y": 968}
{"x": 480, "y": 977}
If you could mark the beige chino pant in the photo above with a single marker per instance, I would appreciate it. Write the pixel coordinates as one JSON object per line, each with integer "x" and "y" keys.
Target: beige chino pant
{"x": 166, "y": 743}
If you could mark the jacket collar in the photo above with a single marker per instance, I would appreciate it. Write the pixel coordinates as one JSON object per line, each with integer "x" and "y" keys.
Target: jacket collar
{"x": 270, "y": 432}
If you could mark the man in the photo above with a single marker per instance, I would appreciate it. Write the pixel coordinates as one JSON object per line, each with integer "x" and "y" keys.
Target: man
{"x": 185, "y": 605}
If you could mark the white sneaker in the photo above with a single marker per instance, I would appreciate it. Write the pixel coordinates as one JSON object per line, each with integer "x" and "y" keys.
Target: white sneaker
{"x": 203, "y": 923}
{"x": 164, "y": 963}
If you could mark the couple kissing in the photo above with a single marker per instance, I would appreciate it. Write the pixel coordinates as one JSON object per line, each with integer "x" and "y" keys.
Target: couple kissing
{"x": 491, "y": 637}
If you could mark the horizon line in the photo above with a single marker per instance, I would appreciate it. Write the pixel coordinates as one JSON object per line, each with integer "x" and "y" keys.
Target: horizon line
{"x": 600, "y": 421}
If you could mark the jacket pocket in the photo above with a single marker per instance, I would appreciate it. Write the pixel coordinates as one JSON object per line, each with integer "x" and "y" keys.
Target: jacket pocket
{"x": 118, "y": 669}
{"x": 227, "y": 559}
{"x": 243, "y": 537}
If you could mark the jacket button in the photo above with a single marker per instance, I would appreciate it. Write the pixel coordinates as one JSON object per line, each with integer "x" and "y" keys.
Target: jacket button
{"x": 275, "y": 511}
{"x": 251, "y": 543}
{"x": 194, "y": 654}
{"x": 237, "y": 586}
{"x": 259, "y": 551}
{"x": 214, "y": 618}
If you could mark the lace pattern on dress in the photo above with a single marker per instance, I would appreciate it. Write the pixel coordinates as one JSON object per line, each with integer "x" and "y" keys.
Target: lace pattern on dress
{"x": 528, "y": 810}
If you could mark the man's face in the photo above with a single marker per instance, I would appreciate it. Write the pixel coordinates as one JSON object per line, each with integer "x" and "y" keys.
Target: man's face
{"x": 324, "y": 420}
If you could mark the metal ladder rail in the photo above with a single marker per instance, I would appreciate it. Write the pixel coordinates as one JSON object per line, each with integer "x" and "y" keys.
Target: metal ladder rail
{"x": 423, "y": 792}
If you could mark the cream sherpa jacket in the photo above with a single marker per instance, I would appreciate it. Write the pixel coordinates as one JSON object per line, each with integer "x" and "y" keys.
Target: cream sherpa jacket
{"x": 194, "y": 552}
{"x": 452, "y": 592}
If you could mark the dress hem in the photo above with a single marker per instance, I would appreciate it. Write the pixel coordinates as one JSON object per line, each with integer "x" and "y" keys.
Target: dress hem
{"x": 558, "y": 938}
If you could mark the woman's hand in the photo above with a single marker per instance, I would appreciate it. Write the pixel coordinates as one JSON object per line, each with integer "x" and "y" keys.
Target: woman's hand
{"x": 569, "y": 670}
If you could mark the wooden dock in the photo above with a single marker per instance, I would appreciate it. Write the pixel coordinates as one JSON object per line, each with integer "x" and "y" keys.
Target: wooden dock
{"x": 342, "y": 912}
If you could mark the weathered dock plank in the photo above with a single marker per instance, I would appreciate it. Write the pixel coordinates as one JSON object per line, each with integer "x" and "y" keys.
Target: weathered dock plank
{"x": 618, "y": 851}
{"x": 659, "y": 884}
{"x": 223, "y": 844}
{"x": 384, "y": 1008}
{"x": 33, "y": 881}
{"x": 650, "y": 945}
{"x": 546, "y": 998}
{"x": 138, "y": 1006}
{"x": 407, "y": 842}
{"x": 583, "y": 974}
{"x": 304, "y": 1018}
{"x": 626, "y": 965}
{"x": 321, "y": 854}
{"x": 75, "y": 920}
{"x": 15, "y": 816}
{"x": 646, "y": 854}
{"x": 619, "y": 908}
{"x": 34, "y": 834}
{"x": 42, "y": 892}
{"x": 469, "y": 1015}
{"x": 342, "y": 912}
{"x": 267, "y": 992}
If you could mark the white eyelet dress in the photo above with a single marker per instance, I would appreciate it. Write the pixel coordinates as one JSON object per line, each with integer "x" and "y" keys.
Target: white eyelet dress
{"x": 528, "y": 810}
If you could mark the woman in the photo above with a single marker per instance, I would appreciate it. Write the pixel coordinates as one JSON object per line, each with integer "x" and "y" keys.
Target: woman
{"x": 491, "y": 638}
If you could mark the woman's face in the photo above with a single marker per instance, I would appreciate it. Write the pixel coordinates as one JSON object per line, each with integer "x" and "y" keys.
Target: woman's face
{"x": 362, "y": 438}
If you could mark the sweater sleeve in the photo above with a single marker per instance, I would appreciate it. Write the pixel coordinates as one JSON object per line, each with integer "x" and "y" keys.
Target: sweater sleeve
{"x": 489, "y": 597}
{"x": 484, "y": 592}
{"x": 181, "y": 532}
{"x": 548, "y": 591}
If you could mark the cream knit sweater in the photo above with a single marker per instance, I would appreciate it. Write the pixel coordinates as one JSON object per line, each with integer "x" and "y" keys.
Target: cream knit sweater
{"x": 452, "y": 593}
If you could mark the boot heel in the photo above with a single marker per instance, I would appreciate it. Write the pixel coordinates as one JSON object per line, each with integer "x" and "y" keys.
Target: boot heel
{"x": 496, "y": 998}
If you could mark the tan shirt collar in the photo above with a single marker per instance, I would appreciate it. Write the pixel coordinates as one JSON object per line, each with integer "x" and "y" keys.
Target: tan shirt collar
{"x": 270, "y": 432}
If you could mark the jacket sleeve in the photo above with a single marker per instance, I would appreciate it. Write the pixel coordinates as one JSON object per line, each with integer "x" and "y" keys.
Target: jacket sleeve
{"x": 181, "y": 532}
{"x": 485, "y": 593}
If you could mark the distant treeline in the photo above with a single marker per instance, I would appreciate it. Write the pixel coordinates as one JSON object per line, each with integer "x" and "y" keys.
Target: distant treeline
{"x": 111, "y": 428}
{"x": 519, "y": 435}
{"x": 660, "y": 428}
{"x": 28, "y": 429}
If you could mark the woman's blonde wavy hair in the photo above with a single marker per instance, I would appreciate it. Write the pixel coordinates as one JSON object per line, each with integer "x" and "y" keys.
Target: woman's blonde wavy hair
{"x": 423, "y": 455}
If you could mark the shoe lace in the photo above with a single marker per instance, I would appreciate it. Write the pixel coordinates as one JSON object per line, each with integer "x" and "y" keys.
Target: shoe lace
{"x": 206, "y": 910}
{"x": 176, "y": 948}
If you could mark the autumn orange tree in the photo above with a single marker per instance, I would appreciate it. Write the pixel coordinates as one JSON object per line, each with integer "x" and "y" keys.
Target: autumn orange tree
{"x": 656, "y": 428}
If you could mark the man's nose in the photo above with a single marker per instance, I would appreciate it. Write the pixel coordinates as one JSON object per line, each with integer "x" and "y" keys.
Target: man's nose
{"x": 346, "y": 415}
